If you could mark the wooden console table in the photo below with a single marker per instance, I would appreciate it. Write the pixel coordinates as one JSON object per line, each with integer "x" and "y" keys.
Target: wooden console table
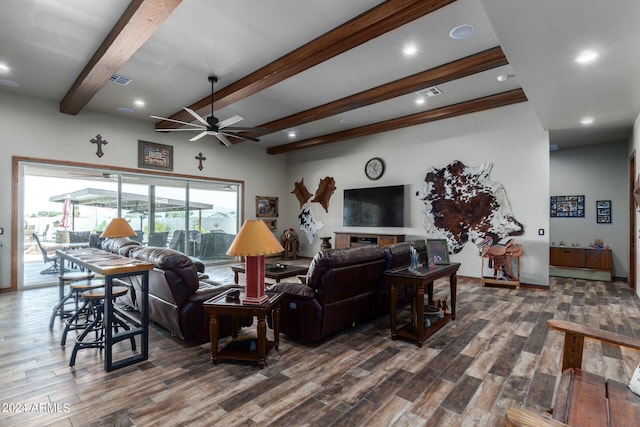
{"x": 348, "y": 240}
{"x": 220, "y": 305}
{"x": 111, "y": 266}
{"x": 582, "y": 263}
{"x": 425, "y": 277}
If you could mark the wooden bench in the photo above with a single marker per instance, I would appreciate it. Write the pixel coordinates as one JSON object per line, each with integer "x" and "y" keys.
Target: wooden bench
{"x": 583, "y": 398}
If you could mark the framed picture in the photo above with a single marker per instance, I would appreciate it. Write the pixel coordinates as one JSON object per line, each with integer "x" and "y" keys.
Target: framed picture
{"x": 266, "y": 206}
{"x": 603, "y": 211}
{"x": 438, "y": 251}
{"x": 271, "y": 223}
{"x": 566, "y": 207}
{"x": 155, "y": 156}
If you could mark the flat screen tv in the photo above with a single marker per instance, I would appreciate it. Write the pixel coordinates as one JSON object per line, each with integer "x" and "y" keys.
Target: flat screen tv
{"x": 374, "y": 207}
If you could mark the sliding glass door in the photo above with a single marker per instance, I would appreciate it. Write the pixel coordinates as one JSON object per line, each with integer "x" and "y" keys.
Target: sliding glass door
{"x": 63, "y": 203}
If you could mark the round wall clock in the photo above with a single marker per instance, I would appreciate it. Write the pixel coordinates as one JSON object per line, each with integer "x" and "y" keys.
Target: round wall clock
{"x": 374, "y": 168}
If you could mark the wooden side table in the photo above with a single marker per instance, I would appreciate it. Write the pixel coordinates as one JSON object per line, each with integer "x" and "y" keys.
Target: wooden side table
{"x": 425, "y": 277}
{"x": 219, "y": 305}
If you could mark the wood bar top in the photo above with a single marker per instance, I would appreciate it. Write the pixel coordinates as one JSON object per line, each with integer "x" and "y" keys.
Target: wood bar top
{"x": 103, "y": 262}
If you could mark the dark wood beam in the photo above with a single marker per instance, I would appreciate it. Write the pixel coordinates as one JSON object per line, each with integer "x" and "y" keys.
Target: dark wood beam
{"x": 480, "y": 104}
{"x": 136, "y": 25}
{"x": 458, "y": 69}
{"x": 385, "y": 17}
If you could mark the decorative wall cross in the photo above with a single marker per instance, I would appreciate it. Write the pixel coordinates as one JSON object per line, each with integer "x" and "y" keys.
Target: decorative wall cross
{"x": 98, "y": 140}
{"x": 200, "y": 158}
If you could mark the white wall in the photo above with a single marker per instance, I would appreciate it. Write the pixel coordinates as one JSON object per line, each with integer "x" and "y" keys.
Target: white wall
{"x": 33, "y": 128}
{"x": 635, "y": 146}
{"x": 509, "y": 137}
{"x": 599, "y": 173}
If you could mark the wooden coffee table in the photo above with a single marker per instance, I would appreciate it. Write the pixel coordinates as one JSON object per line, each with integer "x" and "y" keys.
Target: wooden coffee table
{"x": 277, "y": 275}
{"x": 235, "y": 350}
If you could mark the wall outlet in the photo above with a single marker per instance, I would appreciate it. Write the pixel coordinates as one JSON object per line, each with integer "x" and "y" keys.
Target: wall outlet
{"x": 540, "y": 231}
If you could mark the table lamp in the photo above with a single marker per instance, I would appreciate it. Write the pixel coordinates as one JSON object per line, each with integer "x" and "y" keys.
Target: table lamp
{"x": 254, "y": 241}
{"x": 118, "y": 227}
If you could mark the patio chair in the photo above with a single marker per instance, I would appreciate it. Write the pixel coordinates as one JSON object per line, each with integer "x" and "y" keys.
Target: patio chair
{"x": 53, "y": 268}
{"x": 159, "y": 239}
{"x": 44, "y": 233}
{"x": 177, "y": 241}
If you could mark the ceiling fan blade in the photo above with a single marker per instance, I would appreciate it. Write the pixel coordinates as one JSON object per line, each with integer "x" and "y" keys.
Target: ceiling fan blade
{"x": 223, "y": 139}
{"x": 231, "y": 120}
{"x": 241, "y": 136}
{"x": 198, "y": 129}
{"x": 196, "y": 116}
{"x": 240, "y": 128}
{"x": 198, "y": 136}
{"x": 176, "y": 121}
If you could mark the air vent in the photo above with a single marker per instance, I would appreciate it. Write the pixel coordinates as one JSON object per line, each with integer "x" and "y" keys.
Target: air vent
{"x": 429, "y": 92}
{"x": 120, "y": 79}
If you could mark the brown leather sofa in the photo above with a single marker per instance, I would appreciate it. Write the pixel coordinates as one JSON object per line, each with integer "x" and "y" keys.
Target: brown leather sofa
{"x": 177, "y": 290}
{"x": 343, "y": 287}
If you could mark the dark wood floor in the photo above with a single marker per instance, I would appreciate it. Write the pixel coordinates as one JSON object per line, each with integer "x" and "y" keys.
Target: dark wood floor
{"x": 497, "y": 354}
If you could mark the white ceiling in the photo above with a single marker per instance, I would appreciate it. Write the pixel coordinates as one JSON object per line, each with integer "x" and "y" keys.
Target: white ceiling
{"x": 47, "y": 43}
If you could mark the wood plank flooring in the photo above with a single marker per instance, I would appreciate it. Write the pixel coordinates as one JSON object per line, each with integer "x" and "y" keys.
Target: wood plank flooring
{"x": 497, "y": 353}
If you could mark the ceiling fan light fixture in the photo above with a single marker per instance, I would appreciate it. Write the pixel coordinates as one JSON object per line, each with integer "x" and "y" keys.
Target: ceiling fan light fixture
{"x": 462, "y": 31}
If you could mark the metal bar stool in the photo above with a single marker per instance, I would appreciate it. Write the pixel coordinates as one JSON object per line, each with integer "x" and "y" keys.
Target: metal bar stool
{"x": 72, "y": 323}
{"x": 96, "y": 299}
{"x": 60, "y": 308}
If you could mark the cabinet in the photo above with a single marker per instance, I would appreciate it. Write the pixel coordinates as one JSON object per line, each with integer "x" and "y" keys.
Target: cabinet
{"x": 347, "y": 240}
{"x": 583, "y": 263}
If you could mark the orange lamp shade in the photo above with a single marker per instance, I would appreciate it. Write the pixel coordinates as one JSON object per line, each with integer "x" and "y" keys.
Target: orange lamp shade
{"x": 118, "y": 227}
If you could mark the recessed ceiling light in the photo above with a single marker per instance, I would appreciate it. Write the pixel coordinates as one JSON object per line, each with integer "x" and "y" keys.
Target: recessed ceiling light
{"x": 292, "y": 133}
{"x": 409, "y": 50}
{"x": 587, "y": 56}
{"x": 345, "y": 121}
{"x": 504, "y": 77}
{"x": 586, "y": 120}
{"x": 462, "y": 31}
{"x": 126, "y": 109}
{"x": 420, "y": 100}
{"x": 4, "y": 68}
{"x": 139, "y": 103}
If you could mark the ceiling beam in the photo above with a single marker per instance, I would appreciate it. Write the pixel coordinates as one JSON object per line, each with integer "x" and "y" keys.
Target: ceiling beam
{"x": 136, "y": 25}
{"x": 458, "y": 69}
{"x": 383, "y": 18}
{"x": 479, "y": 104}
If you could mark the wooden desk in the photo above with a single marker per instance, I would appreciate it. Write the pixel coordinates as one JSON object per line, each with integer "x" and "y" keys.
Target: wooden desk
{"x": 219, "y": 305}
{"x": 111, "y": 266}
{"x": 415, "y": 329}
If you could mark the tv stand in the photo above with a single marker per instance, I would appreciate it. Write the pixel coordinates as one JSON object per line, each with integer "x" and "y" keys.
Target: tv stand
{"x": 348, "y": 240}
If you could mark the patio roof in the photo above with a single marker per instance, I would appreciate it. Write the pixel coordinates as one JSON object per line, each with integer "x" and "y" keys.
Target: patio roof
{"x": 131, "y": 202}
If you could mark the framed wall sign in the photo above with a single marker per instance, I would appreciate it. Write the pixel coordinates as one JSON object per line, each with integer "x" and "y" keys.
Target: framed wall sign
{"x": 567, "y": 207}
{"x": 266, "y": 206}
{"x": 155, "y": 156}
{"x": 603, "y": 211}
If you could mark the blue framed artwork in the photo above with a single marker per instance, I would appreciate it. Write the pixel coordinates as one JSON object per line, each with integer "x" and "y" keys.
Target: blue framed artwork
{"x": 567, "y": 207}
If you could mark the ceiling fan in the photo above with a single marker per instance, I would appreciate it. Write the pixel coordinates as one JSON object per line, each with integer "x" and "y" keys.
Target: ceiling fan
{"x": 211, "y": 125}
